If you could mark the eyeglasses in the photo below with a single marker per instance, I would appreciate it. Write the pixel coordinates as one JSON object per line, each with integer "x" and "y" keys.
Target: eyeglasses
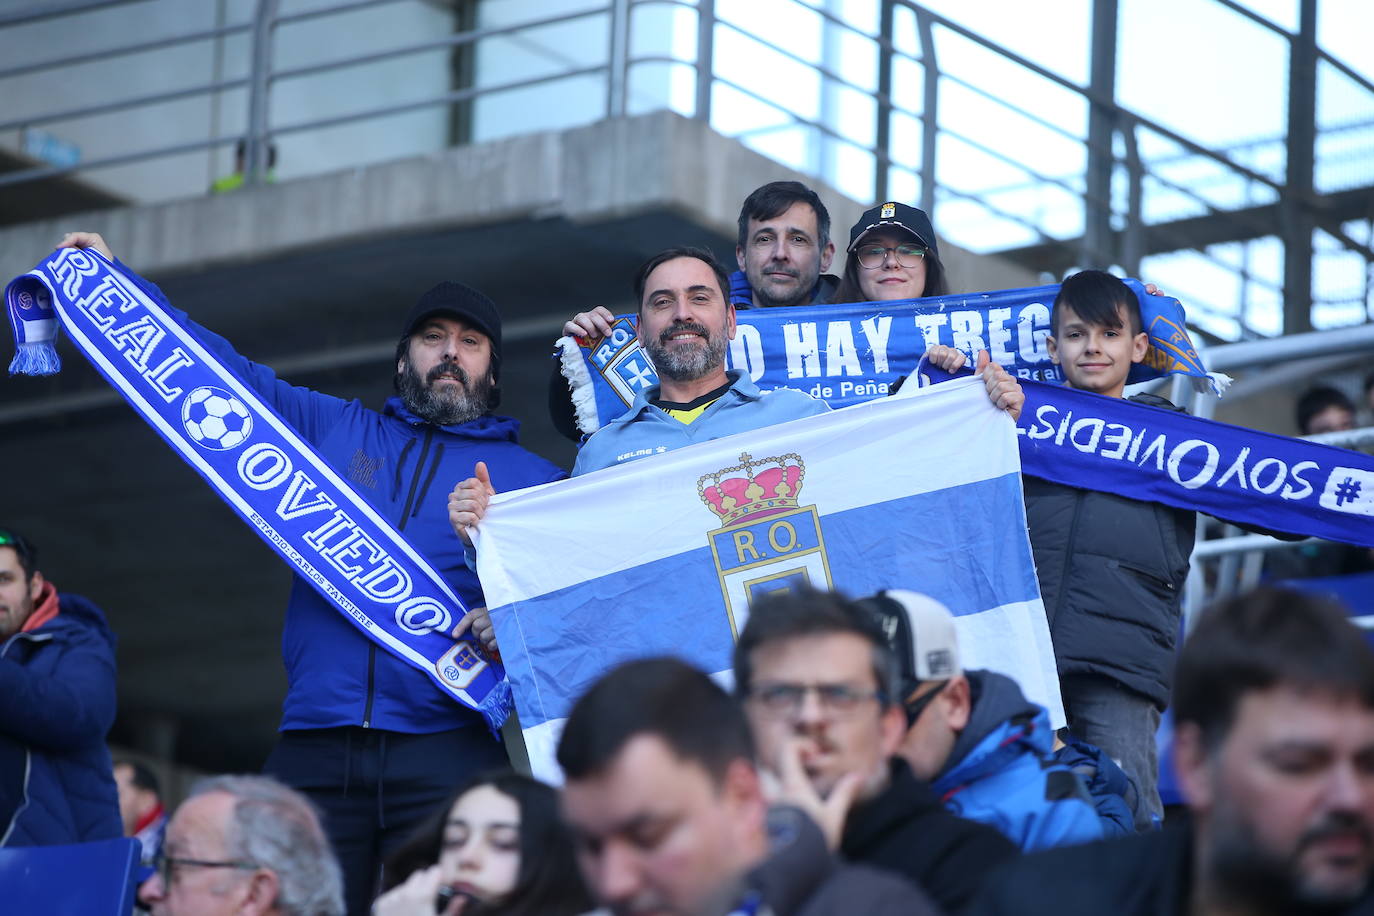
{"x": 871, "y": 257}
{"x": 165, "y": 866}
{"x": 915, "y": 707}
{"x": 839, "y": 699}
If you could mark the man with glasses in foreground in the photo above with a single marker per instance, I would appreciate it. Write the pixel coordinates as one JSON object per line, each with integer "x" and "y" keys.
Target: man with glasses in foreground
{"x": 668, "y": 815}
{"x": 57, "y": 678}
{"x": 820, "y": 688}
{"x": 983, "y": 747}
{"x": 245, "y": 844}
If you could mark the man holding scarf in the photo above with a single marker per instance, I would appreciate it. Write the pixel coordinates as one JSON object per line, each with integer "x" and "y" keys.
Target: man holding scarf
{"x": 373, "y": 741}
{"x": 686, "y": 321}
{"x": 783, "y": 250}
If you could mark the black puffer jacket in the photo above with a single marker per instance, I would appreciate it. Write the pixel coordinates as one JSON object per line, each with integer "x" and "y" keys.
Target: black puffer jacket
{"x": 802, "y": 878}
{"x": 907, "y": 830}
{"x": 1111, "y": 572}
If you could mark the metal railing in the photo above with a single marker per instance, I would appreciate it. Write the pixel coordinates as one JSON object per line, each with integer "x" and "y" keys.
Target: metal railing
{"x": 1108, "y": 205}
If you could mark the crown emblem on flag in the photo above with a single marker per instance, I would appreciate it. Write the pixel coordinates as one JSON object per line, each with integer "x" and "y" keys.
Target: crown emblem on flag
{"x": 753, "y": 489}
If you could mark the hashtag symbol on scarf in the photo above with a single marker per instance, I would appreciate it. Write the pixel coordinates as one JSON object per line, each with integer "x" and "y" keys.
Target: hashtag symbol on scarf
{"x": 1347, "y": 491}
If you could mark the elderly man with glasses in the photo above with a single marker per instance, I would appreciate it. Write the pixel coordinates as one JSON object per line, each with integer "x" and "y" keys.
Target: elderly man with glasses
{"x": 820, "y": 688}
{"x": 245, "y": 844}
{"x": 57, "y": 680}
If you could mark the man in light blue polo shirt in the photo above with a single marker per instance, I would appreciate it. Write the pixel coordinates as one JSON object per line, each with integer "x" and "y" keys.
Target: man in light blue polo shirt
{"x": 686, "y": 322}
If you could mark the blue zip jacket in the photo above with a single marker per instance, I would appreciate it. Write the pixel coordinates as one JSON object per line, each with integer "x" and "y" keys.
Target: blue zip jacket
{"x": 644, "y": 430}
{"x": 404, "y": 467}
{"x": 999, "y": 771}
{"x": 58, "y": 684}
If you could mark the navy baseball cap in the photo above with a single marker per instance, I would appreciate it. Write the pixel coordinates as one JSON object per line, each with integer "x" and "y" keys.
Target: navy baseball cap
{"x": 901, "y": 216}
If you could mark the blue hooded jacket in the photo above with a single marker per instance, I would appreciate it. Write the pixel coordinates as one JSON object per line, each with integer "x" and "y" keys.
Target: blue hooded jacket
{"x": 404, "y": 467}
{"x": 58, "y": 684}
{"x": 1000, "y": 772}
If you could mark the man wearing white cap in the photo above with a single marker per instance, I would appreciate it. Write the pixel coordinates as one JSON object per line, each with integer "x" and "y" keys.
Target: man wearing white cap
{"x": 982, "y": 746}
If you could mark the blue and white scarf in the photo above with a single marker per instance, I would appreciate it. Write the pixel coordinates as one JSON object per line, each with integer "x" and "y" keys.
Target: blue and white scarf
{"x": 1082, "y": 439}
{"x": 257, "y": 463}
{"x": 849, "y": 353}
{"x": 846, "y": 354}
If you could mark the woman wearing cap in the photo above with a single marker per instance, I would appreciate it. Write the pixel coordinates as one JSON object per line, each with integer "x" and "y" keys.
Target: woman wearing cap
{"x": 892, "y": 254}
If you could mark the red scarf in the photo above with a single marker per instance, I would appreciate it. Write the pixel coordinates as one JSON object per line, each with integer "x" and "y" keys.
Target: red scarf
{"x": 44, "y": 609}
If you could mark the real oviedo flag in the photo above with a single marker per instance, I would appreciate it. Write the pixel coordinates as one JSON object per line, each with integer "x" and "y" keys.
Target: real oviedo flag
{"x": 663, "y": 555}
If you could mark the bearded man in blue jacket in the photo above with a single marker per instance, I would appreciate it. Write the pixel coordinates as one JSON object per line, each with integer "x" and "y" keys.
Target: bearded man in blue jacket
{"x": 370, "y": 739}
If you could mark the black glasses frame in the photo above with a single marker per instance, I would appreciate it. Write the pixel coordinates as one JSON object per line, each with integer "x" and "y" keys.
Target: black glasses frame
{"x": 915, "y": 254}
{"x": 165, "y": 864}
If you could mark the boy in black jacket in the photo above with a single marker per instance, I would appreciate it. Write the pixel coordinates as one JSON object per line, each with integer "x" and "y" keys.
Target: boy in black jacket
{"x": 1111, "y": 569}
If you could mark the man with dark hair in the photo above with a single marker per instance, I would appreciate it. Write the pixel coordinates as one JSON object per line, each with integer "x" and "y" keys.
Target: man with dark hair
{"x": 140, "y": 808}
{"x": 668, "y": 814}
{"x": 784, "y": 247}
{"x": 685, "y": 323}
{"x": 820, "y": 687}
{"x": 1324, "y": 409}
{"x": 1274, "y": 749}
{"x": 783, "y": 250}
{"x": 370, "y": 738}
{"x": 57, "y": 678}
{"x": 245, "y": 844}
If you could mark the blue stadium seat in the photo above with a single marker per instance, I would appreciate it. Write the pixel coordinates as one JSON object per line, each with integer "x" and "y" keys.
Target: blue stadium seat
{"x": 83, "y": 879}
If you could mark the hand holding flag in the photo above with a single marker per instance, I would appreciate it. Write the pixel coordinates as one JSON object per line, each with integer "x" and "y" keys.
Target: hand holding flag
{"x": 467, "y": 504}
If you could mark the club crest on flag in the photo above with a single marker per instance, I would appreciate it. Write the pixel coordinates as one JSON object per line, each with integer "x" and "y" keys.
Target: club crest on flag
{"x": 622, "y": 363}
{"x": 767, "y": 542}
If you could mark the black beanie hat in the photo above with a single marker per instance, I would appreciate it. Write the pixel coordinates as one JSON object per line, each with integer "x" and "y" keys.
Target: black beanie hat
{"x": 461, "y": 302}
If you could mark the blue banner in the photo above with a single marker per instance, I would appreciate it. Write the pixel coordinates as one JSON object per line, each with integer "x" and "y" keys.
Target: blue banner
{"x": 1082, "y": 439}
{"x": 257, "y": 464}
{"x": 1292, "y": 486}
{"x": 846, "y": 354}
